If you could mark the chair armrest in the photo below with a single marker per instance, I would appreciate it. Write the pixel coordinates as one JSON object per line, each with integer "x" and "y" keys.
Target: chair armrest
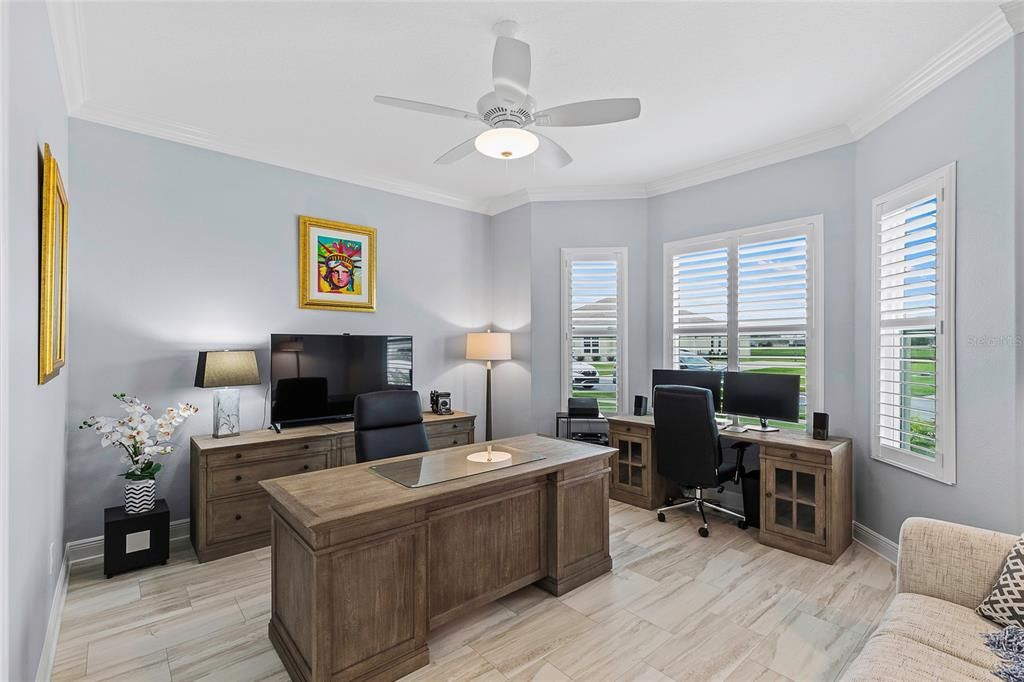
{"x": 948, "y": 561}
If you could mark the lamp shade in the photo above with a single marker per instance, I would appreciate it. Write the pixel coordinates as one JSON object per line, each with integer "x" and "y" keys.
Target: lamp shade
{"x": 218, "y": 368}
{"x": 488, "y": 346}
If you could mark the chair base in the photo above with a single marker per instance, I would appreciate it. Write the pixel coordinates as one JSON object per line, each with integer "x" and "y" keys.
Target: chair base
{"x": 699, "y": 502}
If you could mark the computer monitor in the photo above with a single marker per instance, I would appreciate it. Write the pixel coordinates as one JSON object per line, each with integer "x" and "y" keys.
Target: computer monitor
{"x": 689, "y": 377}
{"x": 765, "y": 396}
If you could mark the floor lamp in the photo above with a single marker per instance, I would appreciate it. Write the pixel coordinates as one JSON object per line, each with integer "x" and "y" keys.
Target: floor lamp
{"x": 488, "y": 346}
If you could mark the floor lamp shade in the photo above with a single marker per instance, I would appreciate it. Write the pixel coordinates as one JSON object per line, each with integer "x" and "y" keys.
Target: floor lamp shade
{"x": 488, "y": 346}
{"x": 223, "y": 369}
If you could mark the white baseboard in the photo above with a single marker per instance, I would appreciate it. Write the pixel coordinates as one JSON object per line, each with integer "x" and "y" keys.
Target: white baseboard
{"x": 45, "y": 670}
{"x": 92, "y": 548}
{"x": 876, "y": 542}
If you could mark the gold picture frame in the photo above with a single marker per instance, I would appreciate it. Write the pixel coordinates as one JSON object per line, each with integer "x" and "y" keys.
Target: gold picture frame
{"x": 53, "y": 271}
{"x": 337, "y": 265}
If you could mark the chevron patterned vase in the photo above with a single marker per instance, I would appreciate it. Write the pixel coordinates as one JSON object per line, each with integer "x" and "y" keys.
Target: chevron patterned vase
{"x": 139, "y": 496}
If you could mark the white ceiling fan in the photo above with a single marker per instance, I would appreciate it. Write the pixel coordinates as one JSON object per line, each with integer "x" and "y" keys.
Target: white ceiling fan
{"x": 509, "y": 110}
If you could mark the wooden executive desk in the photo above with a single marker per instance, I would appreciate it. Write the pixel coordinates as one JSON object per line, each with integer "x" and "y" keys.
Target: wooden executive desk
{"x": 363, "y": 567}
{"x": 806, "y": 484}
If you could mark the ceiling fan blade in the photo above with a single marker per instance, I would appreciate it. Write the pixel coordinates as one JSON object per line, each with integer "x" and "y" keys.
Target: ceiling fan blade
{"x": 458, "y": 152}
{"x": 511, "y": 70}
{"x": 425, "y": 107}
{"x": 552, "y": 152}
{"x": 590, "y": 113}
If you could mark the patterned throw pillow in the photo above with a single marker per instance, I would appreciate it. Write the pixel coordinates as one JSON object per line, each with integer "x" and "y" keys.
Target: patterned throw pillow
{"x": 1005, "y": 605}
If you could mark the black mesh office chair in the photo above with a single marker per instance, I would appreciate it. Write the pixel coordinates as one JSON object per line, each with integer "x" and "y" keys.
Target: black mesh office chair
{"x": 389, "y": 424}
{"x": 690, "y": 450}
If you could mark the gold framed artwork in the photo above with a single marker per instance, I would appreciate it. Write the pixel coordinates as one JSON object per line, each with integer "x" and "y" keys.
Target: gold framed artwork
{"x": 53, "y": 270}
{"x": 337, "y": 265}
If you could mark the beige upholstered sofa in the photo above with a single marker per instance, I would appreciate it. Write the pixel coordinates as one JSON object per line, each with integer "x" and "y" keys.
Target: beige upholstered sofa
{"x": 930, "y": 631}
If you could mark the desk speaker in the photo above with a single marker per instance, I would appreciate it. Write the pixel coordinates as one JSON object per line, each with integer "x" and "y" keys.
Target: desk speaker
{"x": 819, "y": 424}
{"x": 640, "y": 405}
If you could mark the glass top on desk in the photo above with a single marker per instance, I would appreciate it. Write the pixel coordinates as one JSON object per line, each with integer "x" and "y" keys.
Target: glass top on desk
{"x": 449, "y": 465}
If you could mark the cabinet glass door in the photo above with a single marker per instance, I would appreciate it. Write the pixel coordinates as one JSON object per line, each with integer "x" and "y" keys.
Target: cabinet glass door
{"x": 795, "y": 500}
{"x": 628, "y": 466}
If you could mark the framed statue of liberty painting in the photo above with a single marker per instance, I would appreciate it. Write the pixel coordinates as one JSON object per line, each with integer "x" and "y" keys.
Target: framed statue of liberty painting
{"x": 337, "y": 265}
{"x": 53, "y": 270}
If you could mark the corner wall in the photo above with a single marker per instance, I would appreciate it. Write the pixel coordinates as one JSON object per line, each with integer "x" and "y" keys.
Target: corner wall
{"x": 37, "y": 426}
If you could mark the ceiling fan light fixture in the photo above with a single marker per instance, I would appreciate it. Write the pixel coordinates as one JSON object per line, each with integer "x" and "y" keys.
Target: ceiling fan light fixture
{"x": 506, "y": 143}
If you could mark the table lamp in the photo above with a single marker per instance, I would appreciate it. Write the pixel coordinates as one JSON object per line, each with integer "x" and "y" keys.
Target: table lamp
{"x": 222, "y": 369}
{"x": 488, "y": 346}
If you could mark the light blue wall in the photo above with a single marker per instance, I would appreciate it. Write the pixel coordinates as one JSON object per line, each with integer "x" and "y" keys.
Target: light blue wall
{"x": 969, "y": 120}
{"x": 510, "y": 307}
{"x": 561, "y": 224}
{"x": 180, "y": 249}
{"x": 819, "y": 183}
{"x": 36, "y": 432}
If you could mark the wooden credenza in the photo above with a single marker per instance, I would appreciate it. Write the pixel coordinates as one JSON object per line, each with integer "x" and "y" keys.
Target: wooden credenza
{"x": 230, "y": 511}
{"x": 806, "y": 485}
{"x": 364, "y": 567}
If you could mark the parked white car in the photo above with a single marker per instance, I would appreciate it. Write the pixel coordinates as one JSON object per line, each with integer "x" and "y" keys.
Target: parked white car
{"x": 584, "y": 376}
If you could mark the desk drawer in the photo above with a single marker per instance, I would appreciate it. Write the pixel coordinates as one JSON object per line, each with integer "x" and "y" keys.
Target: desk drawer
{"x": 234, "y": 480}
{"x": 237, "y": 517}
{"x": 245, "y": 455}
{"x": 450, "y": 440}
{"x": 632, "y": 430}
{"x": 437, "y": 430}
{"x": 819, "y": 458}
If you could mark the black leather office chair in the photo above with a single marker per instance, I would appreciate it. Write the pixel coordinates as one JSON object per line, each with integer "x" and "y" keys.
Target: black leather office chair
{"x": 690, "y": 450}
{"x": 389, "y": 424}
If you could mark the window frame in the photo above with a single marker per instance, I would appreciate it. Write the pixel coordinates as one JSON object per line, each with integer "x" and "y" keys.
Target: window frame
{"x": 621, "y": 255}
{"x": 810, "y": 226}
{"x": 941, "y": 183}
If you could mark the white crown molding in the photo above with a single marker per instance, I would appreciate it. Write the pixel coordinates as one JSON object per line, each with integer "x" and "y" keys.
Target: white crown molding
{"x": 1014, "y": 12}
{"x": 978, "y": 42}
{"x": 65, "y": 21}
{"x": 785, "y": 151}
{"x": 66, "y": 30}
{"x": 197, "y": 137}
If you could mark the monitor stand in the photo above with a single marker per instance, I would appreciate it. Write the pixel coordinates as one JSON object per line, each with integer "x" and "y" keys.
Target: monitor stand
{"x": 764, "y": 428}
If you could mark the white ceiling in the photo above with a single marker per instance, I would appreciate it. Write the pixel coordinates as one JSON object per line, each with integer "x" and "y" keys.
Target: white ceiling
{"x": 292, "y": 83}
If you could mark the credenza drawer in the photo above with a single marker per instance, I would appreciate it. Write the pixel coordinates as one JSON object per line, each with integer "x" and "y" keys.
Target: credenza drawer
{"x": 797, "y": 455}
{"x": 437, "y": 430}
{"x": 246, "y": 478}
{"x": 450, "y": 440}
{"x": 237, "y": 517}
{"x": 244, "y": 455}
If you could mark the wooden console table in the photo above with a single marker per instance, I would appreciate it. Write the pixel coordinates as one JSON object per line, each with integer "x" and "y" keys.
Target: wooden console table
{"x": 364, "y": 567}
{"x": 806, "y": 484}
{"x": 230, "y": 512}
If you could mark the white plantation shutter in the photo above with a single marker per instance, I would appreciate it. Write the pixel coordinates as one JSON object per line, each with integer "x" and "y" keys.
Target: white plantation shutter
{"x": 913, "y": 419}
{"x": 700, "y": 308}
{"x": 593, "y": 326}
{"x": 772, "y": 288}
{"x": 744, "y": 301}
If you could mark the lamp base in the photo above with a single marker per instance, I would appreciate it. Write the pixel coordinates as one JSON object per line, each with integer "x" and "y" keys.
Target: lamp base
{"x": 225, "y": 412}
{"x": 489, "y": 457}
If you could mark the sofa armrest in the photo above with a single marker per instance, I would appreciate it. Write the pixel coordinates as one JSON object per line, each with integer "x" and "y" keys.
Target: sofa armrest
{"x": 948, "y": 561}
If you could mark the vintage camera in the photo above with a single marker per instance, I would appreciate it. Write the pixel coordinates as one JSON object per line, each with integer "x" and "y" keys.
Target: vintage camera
{"x": 440, "y": 402}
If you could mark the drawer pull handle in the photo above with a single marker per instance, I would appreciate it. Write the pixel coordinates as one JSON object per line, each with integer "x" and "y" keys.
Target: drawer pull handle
{"x": 238, "y": 517}
{"x": 306, "y": 446}
{"x": 305, "y": 467}
{"x": 768, "y": 494}
{"x": 792, "y": 455}
{"x": 455, "y": 426}
{"x": 238, "y": 455}
{"x": 629, "y": 428}
{"x": 455, "y": 441}
{"x": 238, "y": 478}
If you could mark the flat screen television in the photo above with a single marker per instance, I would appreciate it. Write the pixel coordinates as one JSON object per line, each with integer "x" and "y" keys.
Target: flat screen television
{"x": 316, "y": 377}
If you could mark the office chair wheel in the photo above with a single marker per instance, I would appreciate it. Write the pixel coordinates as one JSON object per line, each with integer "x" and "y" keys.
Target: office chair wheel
{"x": 703, "y": 531}
{"x": 661, "y": 517}
{"x": 742, "y": 524}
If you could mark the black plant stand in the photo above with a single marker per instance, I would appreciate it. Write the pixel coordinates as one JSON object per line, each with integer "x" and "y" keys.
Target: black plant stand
{"x": 132, "y": 541}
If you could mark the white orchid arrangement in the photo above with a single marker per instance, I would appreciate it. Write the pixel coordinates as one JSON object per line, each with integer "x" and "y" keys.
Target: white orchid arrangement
{"x": 142, "y": 436}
